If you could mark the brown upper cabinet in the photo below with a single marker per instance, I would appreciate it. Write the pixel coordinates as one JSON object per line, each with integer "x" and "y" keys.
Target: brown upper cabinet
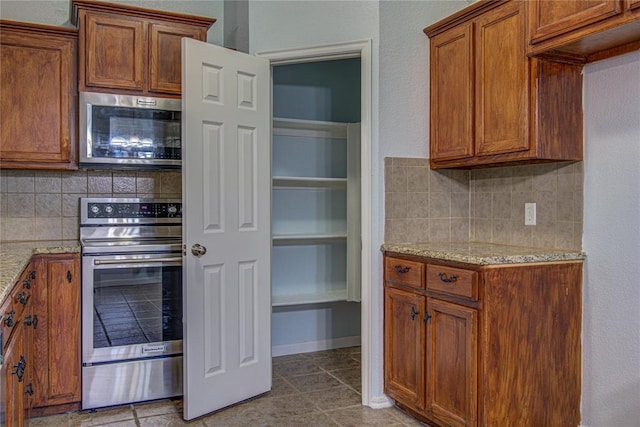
{"x": 125, "y": 49}
{"x": 491, "y": 105}
{"x": 38, "y": 103}
{"x": 583, "y": 31}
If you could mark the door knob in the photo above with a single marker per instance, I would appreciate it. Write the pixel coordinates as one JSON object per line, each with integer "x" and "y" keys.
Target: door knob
{"x": 198, "y": 250}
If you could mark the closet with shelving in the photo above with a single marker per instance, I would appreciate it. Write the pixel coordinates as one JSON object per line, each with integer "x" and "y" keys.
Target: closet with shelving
{"x": 316, "y": 245}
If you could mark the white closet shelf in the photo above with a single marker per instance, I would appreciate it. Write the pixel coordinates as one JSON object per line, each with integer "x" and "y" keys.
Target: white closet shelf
{"x": 308, "y": 182}
{"x": 315, "y": 298}
{"x": 298, "y": 239}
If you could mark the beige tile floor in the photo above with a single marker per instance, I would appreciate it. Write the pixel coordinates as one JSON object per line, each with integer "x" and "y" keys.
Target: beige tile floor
{"x": 310, "y": 389}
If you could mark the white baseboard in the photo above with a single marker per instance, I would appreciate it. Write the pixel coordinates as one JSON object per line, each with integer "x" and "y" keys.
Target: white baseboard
{"x": 380, "y": 402}
{"x": 307, "y": 347}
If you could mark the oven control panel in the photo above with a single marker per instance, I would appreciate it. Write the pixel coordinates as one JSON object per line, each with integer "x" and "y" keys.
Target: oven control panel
{"x": 133, "y": 210}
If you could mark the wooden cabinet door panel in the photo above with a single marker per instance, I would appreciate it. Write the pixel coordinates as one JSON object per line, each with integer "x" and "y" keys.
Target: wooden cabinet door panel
{"x": 57, "y": 337}
{"x": 502, "y": 81}
{"x": 452, "y": 348}
{"x": 165, "y": 60}
{"x": 404, "y": 346}
{"x": 452, "y": 94}
{"x": 36, "y": 107}
{"x": 14, "y": 397}
{"x": 115, "y": 51}
{"x": 549, "y": 18}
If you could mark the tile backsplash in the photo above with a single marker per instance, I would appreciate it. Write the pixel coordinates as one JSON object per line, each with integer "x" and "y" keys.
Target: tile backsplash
{"x": 484, "y": 205}
{"x": 44, "y": 205}
{"x": 424, "y": 205}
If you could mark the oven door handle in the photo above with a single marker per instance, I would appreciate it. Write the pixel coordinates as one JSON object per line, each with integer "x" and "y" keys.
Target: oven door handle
{"x": 135, "y": 261}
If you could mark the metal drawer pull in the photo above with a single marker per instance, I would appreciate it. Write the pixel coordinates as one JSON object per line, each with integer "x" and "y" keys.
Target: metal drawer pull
{"x": 451, "y": 279}
{"x": 413, "y": 313}
{"x": 401, "y": 270}
{"x": 8, "y": 318}
{"x": 22, "y": 298}
{"x": 135, "y": 261}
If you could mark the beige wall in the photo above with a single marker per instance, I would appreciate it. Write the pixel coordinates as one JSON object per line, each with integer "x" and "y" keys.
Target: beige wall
{"x": 485, "y": 205}
{"x": 44, "y": 205}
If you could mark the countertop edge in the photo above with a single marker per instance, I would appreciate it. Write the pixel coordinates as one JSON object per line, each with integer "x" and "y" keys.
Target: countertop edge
{"x": 15, "y": 256}
{"x": 520, "y": 255}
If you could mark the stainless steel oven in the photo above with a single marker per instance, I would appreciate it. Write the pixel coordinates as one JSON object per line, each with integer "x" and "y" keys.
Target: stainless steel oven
{"x": 131, "y": 300}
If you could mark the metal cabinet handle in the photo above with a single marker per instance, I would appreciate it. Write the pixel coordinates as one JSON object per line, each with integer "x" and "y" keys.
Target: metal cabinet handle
{"x": 401, "y": 270}
{"x": 18, "y": 368}
{"x": 22, "y": 298}
{"x": 31, "y": 320}
{"x": 27, "y": 282}
{"x": 413, "y": 313}
{"x": 69, "y": 276}
{"x": 427, "y": 316}
{"x": 8, "y": 318}
{"x": 198, "y": 250}
{"x": 28, "y": 389}
{"x": 448, "y": 279}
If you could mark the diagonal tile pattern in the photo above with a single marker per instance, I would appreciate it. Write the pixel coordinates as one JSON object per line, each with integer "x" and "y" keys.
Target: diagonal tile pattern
{"x": 318, "y": 389}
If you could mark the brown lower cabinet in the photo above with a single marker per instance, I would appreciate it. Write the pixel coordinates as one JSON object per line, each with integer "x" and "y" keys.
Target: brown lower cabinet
{"x": 40, "y": 329}
{"x": 16, "y": 332}
{"x": 469, "y": 345}
{"x": 15, "y": 361}
{"x": 57, "y": 361}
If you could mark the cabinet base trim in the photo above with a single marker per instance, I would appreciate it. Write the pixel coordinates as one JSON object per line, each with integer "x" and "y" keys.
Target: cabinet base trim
{"x": 307, "y": 347}
{"x": 55, "y": 409}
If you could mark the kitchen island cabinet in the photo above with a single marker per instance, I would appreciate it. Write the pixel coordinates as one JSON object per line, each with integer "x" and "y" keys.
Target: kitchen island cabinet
{"x": 490, "y": 341}
{"x": 130, "y": 50}
{"x": 38, "y": 103}
{"x": 581, "y": 31}
{"x": 490, "y": 104}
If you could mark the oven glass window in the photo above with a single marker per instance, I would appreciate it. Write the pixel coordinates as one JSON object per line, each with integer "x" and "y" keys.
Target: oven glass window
{"x": 137, "y": 305}
{"x": 135, "y": 133}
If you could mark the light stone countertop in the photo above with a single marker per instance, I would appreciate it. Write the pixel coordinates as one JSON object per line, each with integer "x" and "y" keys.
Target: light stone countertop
{"x": 483, "y": 253}
{"x": 14, "y": 257}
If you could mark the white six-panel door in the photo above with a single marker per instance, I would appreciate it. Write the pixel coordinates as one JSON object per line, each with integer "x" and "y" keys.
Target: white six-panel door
{"x": 226, "y": 139}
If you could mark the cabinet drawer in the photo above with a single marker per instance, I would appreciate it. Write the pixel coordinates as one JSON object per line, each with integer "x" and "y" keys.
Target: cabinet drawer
{"x": 8, "y": 320}
{"x": 12, "y": 312}
{"x": 13, "y": 307}
{"x": 452, "y": 281}
{"x": 398, "y": 270}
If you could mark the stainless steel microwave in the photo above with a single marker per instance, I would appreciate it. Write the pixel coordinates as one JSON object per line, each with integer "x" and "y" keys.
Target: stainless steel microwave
{"x": 124, "y": 131}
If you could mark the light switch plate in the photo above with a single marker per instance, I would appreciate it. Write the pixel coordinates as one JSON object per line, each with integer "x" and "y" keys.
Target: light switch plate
{"x": 529, "y": 214}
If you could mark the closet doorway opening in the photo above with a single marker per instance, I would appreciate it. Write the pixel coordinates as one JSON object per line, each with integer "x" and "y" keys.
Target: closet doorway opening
{"x": 321, "y": 200}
